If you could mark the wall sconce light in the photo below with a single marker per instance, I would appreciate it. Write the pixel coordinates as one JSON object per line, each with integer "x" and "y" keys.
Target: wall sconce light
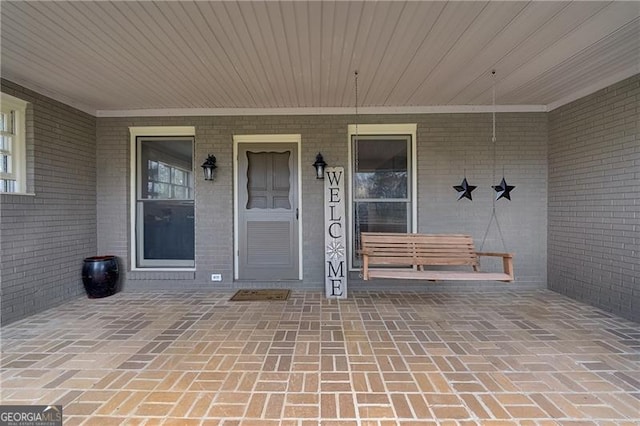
{"x": 319, "y": 165}
{"x": 209, "y": 167}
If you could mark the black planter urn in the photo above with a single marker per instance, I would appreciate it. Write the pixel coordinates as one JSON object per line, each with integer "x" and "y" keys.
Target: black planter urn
{"x": 100, "y": 276}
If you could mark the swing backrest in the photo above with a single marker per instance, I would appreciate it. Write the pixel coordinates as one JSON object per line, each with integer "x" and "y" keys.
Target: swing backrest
{"x": 419, "y": 249}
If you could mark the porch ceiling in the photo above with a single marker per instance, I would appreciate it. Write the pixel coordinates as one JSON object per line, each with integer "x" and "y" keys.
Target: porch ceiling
{"x": 109, "y": 58}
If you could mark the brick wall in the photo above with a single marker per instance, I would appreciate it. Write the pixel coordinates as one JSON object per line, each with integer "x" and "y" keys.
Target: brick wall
{"x": 594, "y": 199}
{"x": 589, "y": 148}
{"x": 447, "y": 145}
{"x": 45, "y": 236}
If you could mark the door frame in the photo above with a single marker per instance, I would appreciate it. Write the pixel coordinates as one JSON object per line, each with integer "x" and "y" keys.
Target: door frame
{"x": 271, "y": 139}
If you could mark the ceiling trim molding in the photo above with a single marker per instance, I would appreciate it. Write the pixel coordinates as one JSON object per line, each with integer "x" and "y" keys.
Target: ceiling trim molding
{"x": 591, "y": 89}
{"x": 52, "y": 94}
{"x": 437, "y": 109}
{"x": 440, "y": 109}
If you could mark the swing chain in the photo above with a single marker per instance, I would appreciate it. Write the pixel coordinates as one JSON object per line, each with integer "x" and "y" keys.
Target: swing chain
{"x": 493, "y": 140}
{"x": 356, "y": 161}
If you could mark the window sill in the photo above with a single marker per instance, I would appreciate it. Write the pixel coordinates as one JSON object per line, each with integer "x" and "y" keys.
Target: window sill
{"x": 162, "y": 274}
{"x": 163, "y": 269}
{"x": 27, "y": 194}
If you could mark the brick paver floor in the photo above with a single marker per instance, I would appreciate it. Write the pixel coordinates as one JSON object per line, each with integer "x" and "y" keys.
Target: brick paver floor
{"x": 377, "y": 358}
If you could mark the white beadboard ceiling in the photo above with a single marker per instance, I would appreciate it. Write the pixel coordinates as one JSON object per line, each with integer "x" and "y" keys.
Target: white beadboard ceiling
{"x": 249, "y": 57}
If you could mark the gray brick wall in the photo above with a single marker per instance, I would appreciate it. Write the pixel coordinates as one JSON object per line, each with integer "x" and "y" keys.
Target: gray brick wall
{"x": 594, "y": 199}
{"x": 447, "y": 145}
{"x": 44, "y": 237}
{"x": 587, "y": 153}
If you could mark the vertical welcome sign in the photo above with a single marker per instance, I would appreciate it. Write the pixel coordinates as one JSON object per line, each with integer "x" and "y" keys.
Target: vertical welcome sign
{"x": 335, "y": 270}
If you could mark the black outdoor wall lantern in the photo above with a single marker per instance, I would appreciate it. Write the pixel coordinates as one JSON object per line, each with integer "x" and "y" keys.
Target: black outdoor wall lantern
{"x": 209, "y": 167}
{"x": 319, "y": 165}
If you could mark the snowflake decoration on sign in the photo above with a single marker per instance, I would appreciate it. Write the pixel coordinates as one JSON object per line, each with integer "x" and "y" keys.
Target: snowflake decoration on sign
{"x": 335, "y": 250}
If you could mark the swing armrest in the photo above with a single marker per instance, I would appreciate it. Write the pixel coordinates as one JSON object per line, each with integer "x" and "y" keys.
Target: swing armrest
{"x": 507, "y": 261}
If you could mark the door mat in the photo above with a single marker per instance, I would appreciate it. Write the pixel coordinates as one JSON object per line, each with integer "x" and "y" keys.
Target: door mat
{"x": 267, "y": 294}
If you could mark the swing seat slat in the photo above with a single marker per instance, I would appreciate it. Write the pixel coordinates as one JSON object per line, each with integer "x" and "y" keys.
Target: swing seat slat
{"x": 416, "y": 252}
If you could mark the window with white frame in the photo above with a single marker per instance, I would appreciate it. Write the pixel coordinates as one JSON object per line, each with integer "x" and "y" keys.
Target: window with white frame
{"x": 382, "y": 184}
{"x": 13, "y": 162}
{"x": 163, "y": 218}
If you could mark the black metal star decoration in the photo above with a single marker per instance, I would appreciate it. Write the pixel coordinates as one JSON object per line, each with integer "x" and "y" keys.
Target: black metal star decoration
{"x": 503, "y": 190}
{"x": 464, "y": 189}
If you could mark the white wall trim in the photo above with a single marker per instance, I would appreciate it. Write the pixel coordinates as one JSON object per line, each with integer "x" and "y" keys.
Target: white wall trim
{"x": 269, "y": 138}
{"x": 272, "y": 139}
{"x": 56, "y": 96}
{"x": 133, "y": 159}
{"x": 12, "y": 102}
{"x": 616, "y": 78}
{"x": 162, "y": 131}
{"x": 437, "y": 109}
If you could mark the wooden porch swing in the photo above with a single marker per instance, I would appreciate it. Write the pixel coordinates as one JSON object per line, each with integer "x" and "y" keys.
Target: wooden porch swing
{"x": 405, "y": 255}
{"x": 410, "y": 253}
